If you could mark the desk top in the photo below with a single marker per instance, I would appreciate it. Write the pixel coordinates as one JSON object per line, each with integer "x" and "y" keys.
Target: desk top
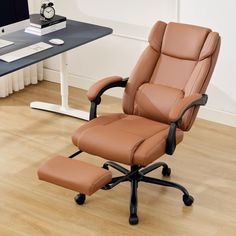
{"x": 74, "y": 35}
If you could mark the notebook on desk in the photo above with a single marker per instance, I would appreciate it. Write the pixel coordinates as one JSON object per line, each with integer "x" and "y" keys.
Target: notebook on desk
{"x": 37, "y": 21}
{"x": 39, "y": 26}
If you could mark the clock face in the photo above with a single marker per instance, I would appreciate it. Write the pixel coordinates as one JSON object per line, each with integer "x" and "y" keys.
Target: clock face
{"x": 49, "y": 12}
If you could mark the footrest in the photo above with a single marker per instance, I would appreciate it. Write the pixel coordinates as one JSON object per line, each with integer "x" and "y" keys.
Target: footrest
{"x": 74, "y": 174}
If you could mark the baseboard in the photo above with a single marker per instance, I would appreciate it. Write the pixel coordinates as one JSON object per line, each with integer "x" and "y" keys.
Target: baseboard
{"x": 84, "y": 82}
{"x": 217, "y": 116}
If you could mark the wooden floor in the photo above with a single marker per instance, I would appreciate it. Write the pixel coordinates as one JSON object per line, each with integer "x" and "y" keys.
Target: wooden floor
{"x": 205, "y": 163}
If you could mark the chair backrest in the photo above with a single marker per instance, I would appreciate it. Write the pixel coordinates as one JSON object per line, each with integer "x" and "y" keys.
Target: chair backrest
{"x": 178, "y": 62}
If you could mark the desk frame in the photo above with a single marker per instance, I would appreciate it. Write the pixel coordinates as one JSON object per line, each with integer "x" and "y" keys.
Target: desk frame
{"x": 64, "y": 107}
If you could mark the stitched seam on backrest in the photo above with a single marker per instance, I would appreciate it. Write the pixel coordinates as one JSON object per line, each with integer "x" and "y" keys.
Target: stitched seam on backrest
{"x": 144, "y": 82}
{"x": 190, "y": 76}
{"x": 156, "y": 68}
{"x": 203, "y": 44}
{"x": 209, "y": 69}
{"x": 160, "y": 52}
{"x": 186, "y": 59}
{"x": 200, "y": 70}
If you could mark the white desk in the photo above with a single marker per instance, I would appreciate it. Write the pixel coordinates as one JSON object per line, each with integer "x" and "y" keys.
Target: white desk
{"x": 74, "y": 35}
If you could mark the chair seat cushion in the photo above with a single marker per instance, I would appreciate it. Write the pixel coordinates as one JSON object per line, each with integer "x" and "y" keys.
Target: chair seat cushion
{"x": 127, "y": 139}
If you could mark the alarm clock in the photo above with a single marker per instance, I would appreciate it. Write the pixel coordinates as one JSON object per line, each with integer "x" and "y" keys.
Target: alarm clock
{"x": 47, "y": 11}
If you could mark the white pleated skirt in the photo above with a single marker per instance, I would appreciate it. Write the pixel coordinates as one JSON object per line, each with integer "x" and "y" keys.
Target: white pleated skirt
{"x": 18, "y": 80}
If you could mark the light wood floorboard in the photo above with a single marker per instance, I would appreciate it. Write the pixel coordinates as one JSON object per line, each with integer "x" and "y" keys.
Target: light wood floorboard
{"x": 205, "y": 163}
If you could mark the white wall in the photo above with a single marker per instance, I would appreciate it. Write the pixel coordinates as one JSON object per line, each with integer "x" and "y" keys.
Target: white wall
{"x": 139, "y": 12}
{"x": 131, "y": 21}
{"x": 31, "y": 5}
{"x": 218, "y": 15}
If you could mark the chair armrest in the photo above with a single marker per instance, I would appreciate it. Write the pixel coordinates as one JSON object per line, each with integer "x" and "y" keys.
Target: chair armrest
{"x": 176, "y": 115}
{"x": 95, "y": 92}
{"x": 101, "y": 86}
{"x": 178, "y": 111}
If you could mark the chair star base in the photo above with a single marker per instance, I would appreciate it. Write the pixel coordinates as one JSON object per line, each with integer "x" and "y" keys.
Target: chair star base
{"x": 134, "y": 176}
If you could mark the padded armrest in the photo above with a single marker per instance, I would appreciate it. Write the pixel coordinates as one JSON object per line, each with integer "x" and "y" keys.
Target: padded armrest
{"x": 101, "y": 85}
{"x": 176, "y": 114}
{"x": 95, "y": 92}
{"x": 183, "y": 105}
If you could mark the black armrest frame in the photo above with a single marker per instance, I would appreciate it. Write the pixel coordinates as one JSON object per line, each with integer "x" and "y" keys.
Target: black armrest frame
{"x": 171, "y": 139}
{"x": 93, "y": 108}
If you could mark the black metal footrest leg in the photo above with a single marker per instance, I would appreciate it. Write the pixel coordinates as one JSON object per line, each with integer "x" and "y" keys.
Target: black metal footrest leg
{"x": 115, "y": 166}
{"x": 155, "y": 166}
{"x": 115, "y": 181}
{"x": 133, "y": 219}
{"x": 75, "y": 154}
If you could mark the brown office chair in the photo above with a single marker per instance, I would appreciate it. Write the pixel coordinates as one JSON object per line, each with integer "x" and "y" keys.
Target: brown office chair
{"x": 161, "y": 101}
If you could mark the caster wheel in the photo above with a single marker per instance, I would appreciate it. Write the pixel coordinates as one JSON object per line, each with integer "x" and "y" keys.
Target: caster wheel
{"x": 133, "y": 219}
{"x": 166, "y": 171}
{"x": 80, "y": 198}
{"x": 188, "y": 200}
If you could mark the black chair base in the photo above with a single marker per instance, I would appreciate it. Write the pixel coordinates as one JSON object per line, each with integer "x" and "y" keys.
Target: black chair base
{"x": 136, "y": 175}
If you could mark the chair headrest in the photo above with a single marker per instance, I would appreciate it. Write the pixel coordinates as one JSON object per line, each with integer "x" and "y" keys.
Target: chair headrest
{"x": 183, "y": 41}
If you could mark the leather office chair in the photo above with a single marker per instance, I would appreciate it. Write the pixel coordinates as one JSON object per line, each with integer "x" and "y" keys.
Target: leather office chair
{"x": 161, "y": 101}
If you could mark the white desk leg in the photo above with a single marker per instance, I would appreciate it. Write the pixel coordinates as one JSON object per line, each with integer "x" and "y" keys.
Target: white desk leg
{"x": 64, "y": 81}
{"x": 64, "y": 107}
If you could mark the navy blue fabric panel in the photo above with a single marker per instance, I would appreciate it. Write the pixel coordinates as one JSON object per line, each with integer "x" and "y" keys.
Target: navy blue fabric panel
{"x": 74, "y": 35}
